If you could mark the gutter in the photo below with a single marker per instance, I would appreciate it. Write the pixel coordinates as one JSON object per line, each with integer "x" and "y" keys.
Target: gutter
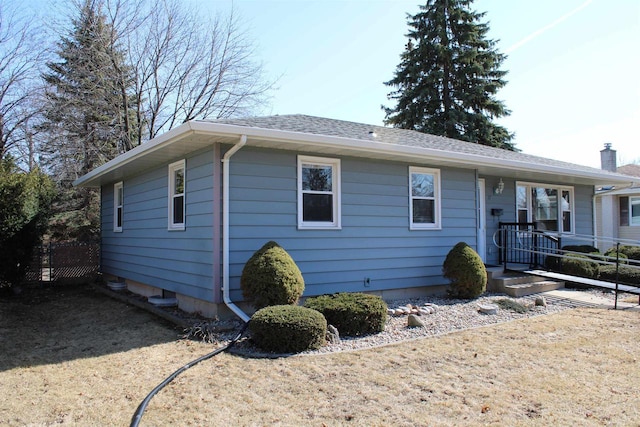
{"x": 226, "y": 163}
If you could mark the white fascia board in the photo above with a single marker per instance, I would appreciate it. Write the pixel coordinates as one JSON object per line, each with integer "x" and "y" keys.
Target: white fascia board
{"x": 141, "y": 150}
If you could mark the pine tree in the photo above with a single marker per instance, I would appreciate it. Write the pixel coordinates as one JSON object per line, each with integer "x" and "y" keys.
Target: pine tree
{"x": 88, "y": 115}
{"x": 448, "y": 77}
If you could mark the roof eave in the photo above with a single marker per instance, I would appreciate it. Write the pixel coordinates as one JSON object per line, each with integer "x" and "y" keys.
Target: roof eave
{"x": 367, "y": 148}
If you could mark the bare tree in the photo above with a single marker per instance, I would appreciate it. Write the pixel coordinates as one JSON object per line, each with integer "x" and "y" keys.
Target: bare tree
{"x": 186, "y": 67}
{"x": 21, "y": 53}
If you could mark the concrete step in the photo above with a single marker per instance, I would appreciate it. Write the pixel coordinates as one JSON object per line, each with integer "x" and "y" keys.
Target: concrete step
{"x": 518, "y": 284}
{"x": 522, "y": 289}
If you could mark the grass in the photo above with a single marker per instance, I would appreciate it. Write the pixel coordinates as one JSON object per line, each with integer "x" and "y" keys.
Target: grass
{"x": 70, "y": 356}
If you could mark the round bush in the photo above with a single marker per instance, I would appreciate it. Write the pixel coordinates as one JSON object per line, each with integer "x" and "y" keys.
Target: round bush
{"x": 632, "y": 252}
{"x": 464, "y": 267}
{"x": 352, "y": 314}
{"x": 580, "y": 265}
{"x": 271, "y": 277}
{"x": 288, "y": 329}
{"x": 622, "y": 258}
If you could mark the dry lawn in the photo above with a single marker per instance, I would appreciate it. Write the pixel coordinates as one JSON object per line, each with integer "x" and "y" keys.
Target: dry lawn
{"x": 71, "y": 356}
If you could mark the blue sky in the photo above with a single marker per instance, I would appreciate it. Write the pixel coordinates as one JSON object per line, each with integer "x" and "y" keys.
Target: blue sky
{"x": 573, "y": 65}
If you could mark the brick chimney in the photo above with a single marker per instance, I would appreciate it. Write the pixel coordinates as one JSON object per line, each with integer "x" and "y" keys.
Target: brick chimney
{"x": 608, "y": 158}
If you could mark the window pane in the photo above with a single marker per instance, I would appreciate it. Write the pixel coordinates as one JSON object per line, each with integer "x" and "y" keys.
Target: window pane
{"x": 316, "y": 178}
{"x": 624, "y": 211}
{"x": 566, "y": 211}
{"x": 521, "y": 196}
{"x": 317, "y": 207}
{"x": 120, "y": 196}
{"x": 422, "y": 185}
{"x": 523, "y": 215}
{"x": 119, "y": 217}
{"x": 179, "y": 182}
{"x": 178, "y": 210}
{"x": 424, "y": 211}
{"x": 545, "y": 208}
{"x": 566, "y": 222}
{"x": 635, "y": 211}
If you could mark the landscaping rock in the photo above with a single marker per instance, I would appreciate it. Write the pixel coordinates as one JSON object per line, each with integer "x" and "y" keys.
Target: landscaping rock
{"x": 541, "y": 301}
{"x": 413, "y": 321}
{"x": 488, "y": 308}
{"x": 333, "y": 336}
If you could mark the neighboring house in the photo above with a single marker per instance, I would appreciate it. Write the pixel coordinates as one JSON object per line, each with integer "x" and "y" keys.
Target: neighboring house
{"x": 358, "y": 207}
{"x": 618, "y": 207}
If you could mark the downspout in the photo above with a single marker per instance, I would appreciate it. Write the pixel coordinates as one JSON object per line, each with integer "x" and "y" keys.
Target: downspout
{"x": 225, "y": 229}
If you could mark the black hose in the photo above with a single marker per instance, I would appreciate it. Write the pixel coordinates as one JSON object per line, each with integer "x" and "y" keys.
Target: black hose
{"x": 137, "y": 416}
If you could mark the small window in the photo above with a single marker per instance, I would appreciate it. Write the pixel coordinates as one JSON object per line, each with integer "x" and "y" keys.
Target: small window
{"x": 176, "y": 195}
{"x": 424, "y": 198}
{"x": 318, "y": 193}
{"x": 118, "y": 203}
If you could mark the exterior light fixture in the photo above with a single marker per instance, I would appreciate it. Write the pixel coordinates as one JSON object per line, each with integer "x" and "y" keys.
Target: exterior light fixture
{"x": 499, "y": 188}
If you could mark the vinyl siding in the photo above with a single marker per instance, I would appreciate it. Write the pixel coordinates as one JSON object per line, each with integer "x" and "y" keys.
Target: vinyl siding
{"x": 146, "y": 251}
{"x": 374, "y": 242}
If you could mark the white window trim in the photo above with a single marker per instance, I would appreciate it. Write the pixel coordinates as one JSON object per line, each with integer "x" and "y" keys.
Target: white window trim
{"x": 116, "y": 188}
{"x": 559, "y": 189}
{"x": 335, "y": 191}
{"x": 631, "y": 199}
{"x": 437, "y": 225}
{"x": 173, "y": 167}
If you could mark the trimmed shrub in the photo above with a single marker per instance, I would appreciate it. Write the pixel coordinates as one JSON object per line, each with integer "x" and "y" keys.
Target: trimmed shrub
{"x": 464, "y": 267}
{"x": 622, "y": 258}
{"x": 632, "y": 252}
{"x": 582, "y": 249}
{"x": 271, "y": 277}
{"x": 580, "y": 265}
{"x": 288, "y": 329}
{"x": 352, "y": 314}
{"x": 630, "y": 276}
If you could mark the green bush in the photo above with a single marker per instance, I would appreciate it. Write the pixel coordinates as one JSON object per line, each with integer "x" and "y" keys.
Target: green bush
{"x": 271, "y": 277}
{"x": 464, "y": 267}
{"x": 25, "y": 201}
{"x": 288, "y": 329}
{"x": 628, "y": 275}
{"x": 632, "y": 252}
{"x": 352, "y": 314}
{"x": 580, "y": 265}
{"x": 582, "y": 249}
{"x": 622, "y": 258}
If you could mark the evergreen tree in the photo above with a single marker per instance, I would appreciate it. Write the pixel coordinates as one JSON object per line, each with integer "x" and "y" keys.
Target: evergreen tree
{"x": 448, "y": 76}
{"x": 88, "y": 116}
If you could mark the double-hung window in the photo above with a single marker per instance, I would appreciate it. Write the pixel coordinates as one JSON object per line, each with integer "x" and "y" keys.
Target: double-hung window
{"x": 318, "y": 193}
{"x": 176, "y": 195}
{"x": 424, "y": 198}
{"x": 118, "y": 204}
{"x": 549, "y": 207}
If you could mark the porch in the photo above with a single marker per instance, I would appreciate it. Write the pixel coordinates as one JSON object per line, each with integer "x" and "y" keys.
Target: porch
{"x": 531, "y": 261}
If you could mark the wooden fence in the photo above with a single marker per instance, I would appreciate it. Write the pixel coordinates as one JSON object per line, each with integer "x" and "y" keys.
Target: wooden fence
{"x": 65, "y": 262}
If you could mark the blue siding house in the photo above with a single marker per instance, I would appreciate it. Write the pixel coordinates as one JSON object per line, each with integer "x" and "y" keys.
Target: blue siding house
{"x": 359, "y": 207}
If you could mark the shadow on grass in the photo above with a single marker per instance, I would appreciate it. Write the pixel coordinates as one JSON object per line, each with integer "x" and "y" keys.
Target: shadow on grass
{"x": 63, "y": 323}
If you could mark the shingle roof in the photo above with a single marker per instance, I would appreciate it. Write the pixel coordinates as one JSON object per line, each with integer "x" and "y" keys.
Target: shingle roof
{"x": 340, "y": 128}
{"x": 630, "y": 169}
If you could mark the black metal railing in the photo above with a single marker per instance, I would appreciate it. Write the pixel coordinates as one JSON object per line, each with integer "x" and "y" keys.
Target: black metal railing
{"x": 522, "y": 243}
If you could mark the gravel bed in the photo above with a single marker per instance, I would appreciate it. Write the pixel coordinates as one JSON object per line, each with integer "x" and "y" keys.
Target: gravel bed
{"x": 450, "y": 315}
